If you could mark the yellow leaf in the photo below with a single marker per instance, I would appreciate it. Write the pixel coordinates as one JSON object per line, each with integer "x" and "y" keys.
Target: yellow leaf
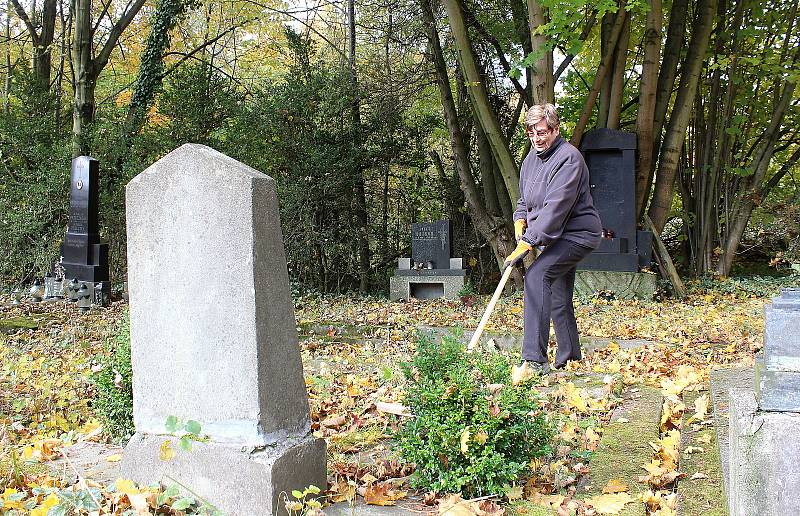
{"x": 481, "y": 437}
{"x": 549, "y": 501}
{"x": 166, "y": 452}
{"x": 465, "y": 441}
{"x": 521, "y": 374}
{"x": 692, "y": 449}
{"x": 382, "y": 494}
{"x": 514, "y": 493}
{"x": 114, "y": 458}
{"x": 700, "y": 409}
{"x": 698, "y": 476}
{"x": 454, "y": 505}
{"x": 609, "y": 503}
{"x": 705, "y": 438}
{"x": 50, "y": 501}
{"x": 615, "y": 485}
{"x": 125, "y": 486}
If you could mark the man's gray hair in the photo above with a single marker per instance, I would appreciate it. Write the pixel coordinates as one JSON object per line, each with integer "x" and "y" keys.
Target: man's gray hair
{"x": 546, "y": 112}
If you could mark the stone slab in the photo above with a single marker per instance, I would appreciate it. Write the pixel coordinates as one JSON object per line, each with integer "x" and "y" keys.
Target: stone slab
{"x": 777, "y": 391}
{"x": 722, "y": 381}
{"x": 764, "y": 458}
{"x": 781, "y": 337}
{"x": 624, "y": 285}
{"x": 407, "y": 287}
{"x": 237, "y": 480}
{"x": 213, "y": 335}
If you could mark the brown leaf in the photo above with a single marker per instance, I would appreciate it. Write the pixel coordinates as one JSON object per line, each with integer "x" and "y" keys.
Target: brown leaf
{"x": 382, "y": 494}
{"x": 334, "y": 421}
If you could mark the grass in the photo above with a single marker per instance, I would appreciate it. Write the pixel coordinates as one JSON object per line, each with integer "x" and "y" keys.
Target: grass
{"x": 13, "y": 324}
{"x": 704, "y": 496}
{"x": 624, "y": 446}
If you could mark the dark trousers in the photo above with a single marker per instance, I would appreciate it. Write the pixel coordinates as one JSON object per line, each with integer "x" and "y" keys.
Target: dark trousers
{"x": 549, "y": 284}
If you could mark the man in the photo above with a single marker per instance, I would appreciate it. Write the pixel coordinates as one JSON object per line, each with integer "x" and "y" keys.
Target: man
{"x": 555, "y": 214}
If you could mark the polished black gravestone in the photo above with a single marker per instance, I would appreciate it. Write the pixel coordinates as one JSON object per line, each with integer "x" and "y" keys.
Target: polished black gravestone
{"x": 430, "y": 272}
{"x": 430, "y": 244}
{"x": 611, "y": 158}
{"x": 83, "y": 257}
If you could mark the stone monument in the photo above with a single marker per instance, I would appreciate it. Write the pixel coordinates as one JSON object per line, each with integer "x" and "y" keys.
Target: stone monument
{"x": 83, "y": 257}
{"x": 213, "y": 335}
{"x": 764, "y": 474}
{"x": 614, "y": 266}
{"x": 430, "y": 272}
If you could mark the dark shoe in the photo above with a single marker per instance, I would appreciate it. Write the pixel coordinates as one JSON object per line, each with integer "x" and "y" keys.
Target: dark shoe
{"x": 536, "y": 367}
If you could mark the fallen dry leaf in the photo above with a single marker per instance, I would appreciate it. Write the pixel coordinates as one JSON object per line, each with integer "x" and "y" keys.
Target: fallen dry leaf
{"x": 609, "y": 503}
{"x": 615, "y": 485}
{"x": 382, "y": 494}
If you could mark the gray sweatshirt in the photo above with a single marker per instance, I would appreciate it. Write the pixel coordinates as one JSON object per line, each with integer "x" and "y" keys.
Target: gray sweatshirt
{"x": 555, "y": 199}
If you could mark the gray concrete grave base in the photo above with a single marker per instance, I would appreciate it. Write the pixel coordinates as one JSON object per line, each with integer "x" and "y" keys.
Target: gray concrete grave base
{"x": 624, "y": 285}
{"x": 764, "y": 458}
{"x": 777, "y": 391}
{"x": 425, "y": 287}
{"x": 237, "y": 480}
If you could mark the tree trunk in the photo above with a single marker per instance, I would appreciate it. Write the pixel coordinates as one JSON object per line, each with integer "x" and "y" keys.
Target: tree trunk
{"x": 7, "y": 82}
{"x": 86, "y": 68}
{"x": 647, "y": 101}
{"x": 542, "y": 73}
{"x": 666, "y": 80}
{"x": 618, "y": 76}
{"x": 676, "y": 131}
{"x": 41, "y": 39}
{"x": 602, "y": 70}
{"x": 360, "y": 195}
{"x": 84, "y": 77}
{"x": 480, "y": 99}
{"x": 493, "y": 229}
{"x": 753, "y": 193}
{"x": 604, "y": 96}
{"x": 486, "y": 165}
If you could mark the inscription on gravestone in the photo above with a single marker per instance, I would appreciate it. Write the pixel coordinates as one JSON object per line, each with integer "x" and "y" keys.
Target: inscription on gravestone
{"x": 82, "y": 255}
{"x": 430, "y": 242}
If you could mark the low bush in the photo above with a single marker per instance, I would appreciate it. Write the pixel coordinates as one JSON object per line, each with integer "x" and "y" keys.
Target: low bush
{"x": 113, "y": 402}
{"x": 473, "y": 432}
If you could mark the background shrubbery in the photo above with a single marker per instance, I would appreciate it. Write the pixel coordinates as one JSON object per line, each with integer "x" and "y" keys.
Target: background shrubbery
{"x": 473, "y": 432}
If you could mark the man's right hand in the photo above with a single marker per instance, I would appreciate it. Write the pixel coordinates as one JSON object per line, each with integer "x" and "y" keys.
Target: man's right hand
{"x": 519, "y": 228}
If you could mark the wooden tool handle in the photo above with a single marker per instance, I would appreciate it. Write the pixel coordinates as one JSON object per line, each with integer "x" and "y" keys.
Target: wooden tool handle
{"x": 499, "y": 290}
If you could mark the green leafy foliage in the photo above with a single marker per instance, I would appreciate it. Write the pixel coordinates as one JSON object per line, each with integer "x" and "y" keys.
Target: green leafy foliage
{"x": 752, "y": 286}
{"x": 473, "y": 431}
{"x": 113, "y": 403}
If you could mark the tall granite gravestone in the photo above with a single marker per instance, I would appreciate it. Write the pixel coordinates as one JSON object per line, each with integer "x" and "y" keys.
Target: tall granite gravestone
{"x": 213, "y": 334}
{"x": 83, "y": 257}
{"x": 430, "y": 272}
{"x": 764, "y": 473}
{"x": 611, "y": 158}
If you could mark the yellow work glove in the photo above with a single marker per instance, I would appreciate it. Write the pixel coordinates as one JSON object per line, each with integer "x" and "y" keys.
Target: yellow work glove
{"x": 519, "y": 228}
{"x": 522, "y": 249}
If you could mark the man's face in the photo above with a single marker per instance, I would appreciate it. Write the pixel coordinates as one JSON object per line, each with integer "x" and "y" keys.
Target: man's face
{"x": 541, "y": 136}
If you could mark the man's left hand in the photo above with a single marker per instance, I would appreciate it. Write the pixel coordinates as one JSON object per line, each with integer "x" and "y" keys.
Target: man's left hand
{"x": 522, "y": 249}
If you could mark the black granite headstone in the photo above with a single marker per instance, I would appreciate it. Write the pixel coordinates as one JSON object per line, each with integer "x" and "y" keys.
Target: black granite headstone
{"x": 82, "y": 255}
{"x": 611, "y": 158}
{"x": 430, "y": 244}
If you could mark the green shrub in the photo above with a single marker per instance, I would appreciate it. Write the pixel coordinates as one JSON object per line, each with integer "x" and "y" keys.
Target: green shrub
{"x": 750, "y": 286}
{"x": 466, "y": 436}
{"x": 113, "y": 402}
